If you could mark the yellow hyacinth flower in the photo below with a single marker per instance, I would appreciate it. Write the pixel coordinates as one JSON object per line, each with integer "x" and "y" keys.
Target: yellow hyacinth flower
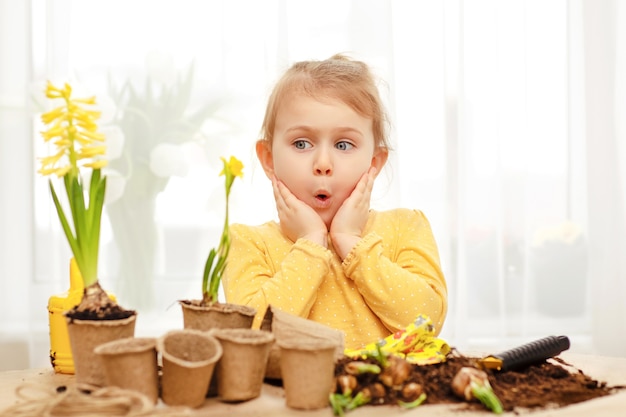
{"x": 73, "y": 131}
{"x": 76, "y": 132}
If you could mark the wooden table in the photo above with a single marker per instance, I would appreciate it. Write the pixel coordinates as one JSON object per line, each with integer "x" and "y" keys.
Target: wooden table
{"x": 272, "y": 403}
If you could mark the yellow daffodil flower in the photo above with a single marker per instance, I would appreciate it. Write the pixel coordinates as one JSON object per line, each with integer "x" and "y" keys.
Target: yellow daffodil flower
{"x": 216, "y": 262}
{"x": 234, "y": 165}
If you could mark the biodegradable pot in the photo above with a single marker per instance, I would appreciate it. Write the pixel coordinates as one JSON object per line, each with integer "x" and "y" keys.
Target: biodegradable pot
{"x": 241, "y": 369}
{"x": 287, "y": 327}
{"x": 216, "y": 316}
{"x": 307, "y": 367}
{"x": 189, "y": 357}
{"x": 86, "y": 335}
{"x": 131, "y": 363}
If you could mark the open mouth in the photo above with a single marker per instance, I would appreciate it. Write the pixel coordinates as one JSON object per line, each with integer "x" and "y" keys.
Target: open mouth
{"x": 322, "y": 200}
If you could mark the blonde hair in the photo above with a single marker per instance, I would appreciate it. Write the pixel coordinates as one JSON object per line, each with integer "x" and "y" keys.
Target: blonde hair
{"x": 337, "y": 77}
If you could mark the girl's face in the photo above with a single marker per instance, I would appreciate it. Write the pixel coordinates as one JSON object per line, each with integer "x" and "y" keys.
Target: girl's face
{"x": 320, "y": 151}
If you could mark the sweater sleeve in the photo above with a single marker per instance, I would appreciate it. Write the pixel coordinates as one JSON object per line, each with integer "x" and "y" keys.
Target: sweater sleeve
{"x": 403, "y": 278}
{"x": 258, "y": 274}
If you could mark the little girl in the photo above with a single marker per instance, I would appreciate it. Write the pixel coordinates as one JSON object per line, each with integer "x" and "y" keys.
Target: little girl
{"x": 330, "y": 258}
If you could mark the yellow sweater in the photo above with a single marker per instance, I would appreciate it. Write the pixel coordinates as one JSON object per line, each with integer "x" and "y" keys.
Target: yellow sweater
{"x": 390, "y": 277}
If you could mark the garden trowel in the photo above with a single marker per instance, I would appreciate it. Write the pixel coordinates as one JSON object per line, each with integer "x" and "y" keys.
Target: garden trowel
{"x": 528, "y": 354}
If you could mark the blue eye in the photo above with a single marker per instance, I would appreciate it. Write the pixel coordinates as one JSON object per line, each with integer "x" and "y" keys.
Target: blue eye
{"x": 301, "y": 144}
{"x": 344, "y": 145}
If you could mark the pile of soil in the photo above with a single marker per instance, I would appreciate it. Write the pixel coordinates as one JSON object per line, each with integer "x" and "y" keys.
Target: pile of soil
{"x": 548, "y": 384}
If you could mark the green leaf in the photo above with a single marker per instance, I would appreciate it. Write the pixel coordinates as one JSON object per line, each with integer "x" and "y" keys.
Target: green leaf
{"x": 338, "y": 402}
{"x": 93, "y": 190}
{"x": 74, "y": 192}
{"x": 96, "y": 204}
{"x": 359, "y": 368}
{"x": 86, "y": 220}
{"x": 216, "y": 277}
{"x": 413, "y": 404}
{"x": 64, "y": 223}
{"x": 82, "y": 231}
{"x": 207, "y": 271}
{"x": 485, "y": 395}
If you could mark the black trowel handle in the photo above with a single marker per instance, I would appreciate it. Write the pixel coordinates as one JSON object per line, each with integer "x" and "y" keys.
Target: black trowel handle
{"x": 533, "y": 352}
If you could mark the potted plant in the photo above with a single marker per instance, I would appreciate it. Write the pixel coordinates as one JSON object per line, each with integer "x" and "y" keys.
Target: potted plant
{"x": 209, "y": 313}
{"x": 73, "y": 130}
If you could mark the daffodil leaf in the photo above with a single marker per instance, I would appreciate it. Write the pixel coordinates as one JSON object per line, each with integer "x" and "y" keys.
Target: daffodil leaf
{"x": 207, "y": 271}
{"x": 216, "y": 277}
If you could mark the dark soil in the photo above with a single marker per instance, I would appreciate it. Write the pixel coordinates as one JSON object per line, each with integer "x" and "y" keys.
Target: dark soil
{"x": 548, "y": 384}
{"x": 97, "y": 305}
{"x": 109, "y": 311}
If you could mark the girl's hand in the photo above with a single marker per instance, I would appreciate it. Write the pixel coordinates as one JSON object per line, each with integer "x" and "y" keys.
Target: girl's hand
{"x": 348, "y": 224}
{"x": 297, "y": 219}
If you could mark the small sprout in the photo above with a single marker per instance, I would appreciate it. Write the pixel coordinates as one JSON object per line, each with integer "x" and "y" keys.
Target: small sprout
{"x": 412, "y": 404}
{"x": 341, "y": 403}
{"x": 378, "y": 355}
{"x": 471, "y": 383}
{"x": 358, "y": 368}
{"x": 338, "y": 403}
{"x": 396, "y": 372}
{"x": 346, "y": 384}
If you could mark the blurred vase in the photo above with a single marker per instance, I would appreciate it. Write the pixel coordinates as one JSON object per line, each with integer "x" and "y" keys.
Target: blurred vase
{"x": 136, "y": 237}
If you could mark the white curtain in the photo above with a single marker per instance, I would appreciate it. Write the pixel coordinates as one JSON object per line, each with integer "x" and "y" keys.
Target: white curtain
{"x": 506, "y": 132}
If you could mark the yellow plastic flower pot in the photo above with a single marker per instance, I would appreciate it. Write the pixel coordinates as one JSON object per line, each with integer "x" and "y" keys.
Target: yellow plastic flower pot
{"x": 60, "y": 350}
